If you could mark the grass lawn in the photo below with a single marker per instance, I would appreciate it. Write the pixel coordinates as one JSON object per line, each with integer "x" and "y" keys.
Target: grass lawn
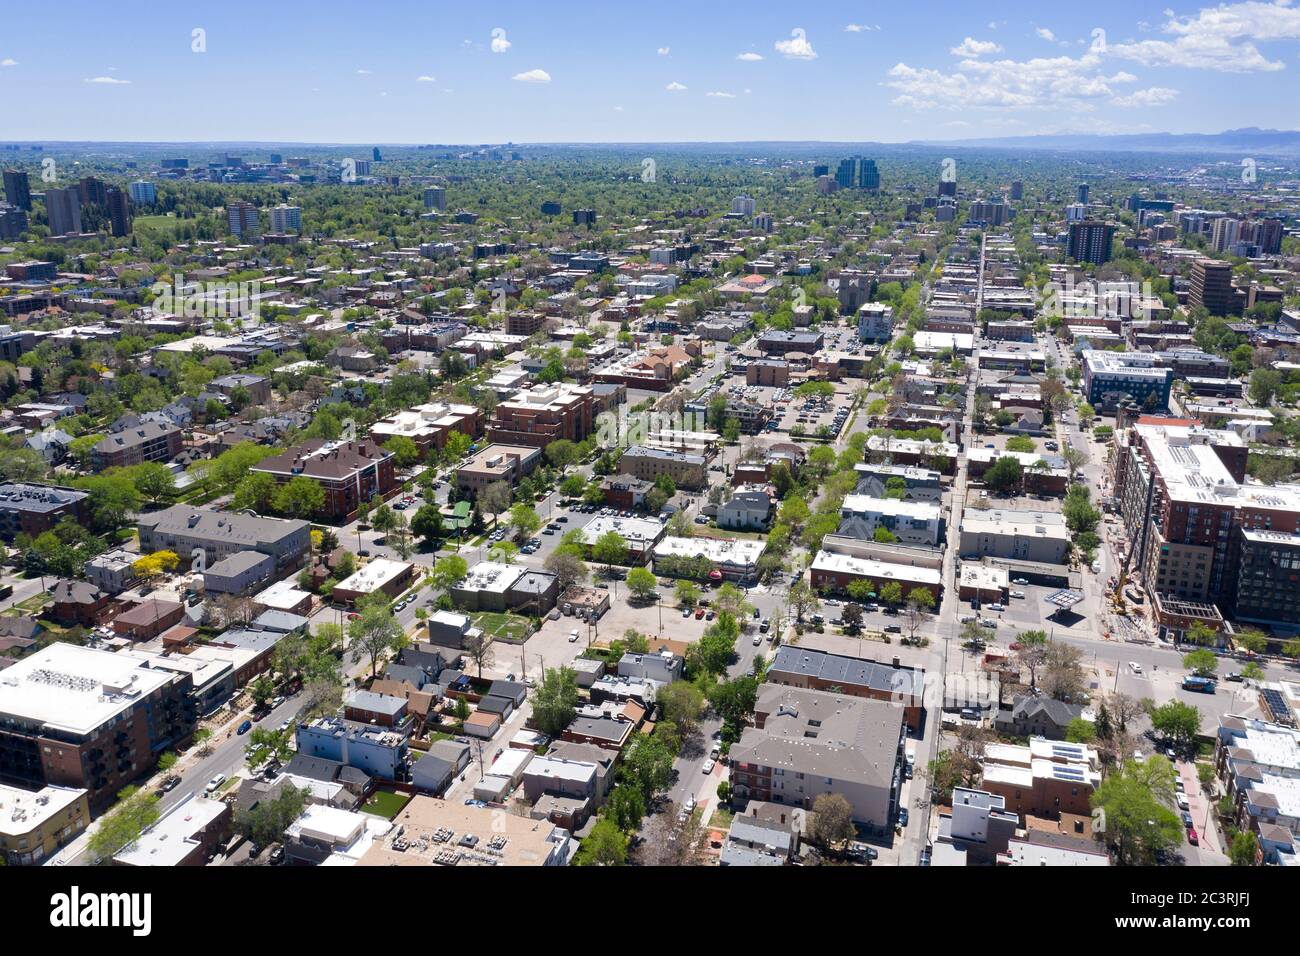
{"x": 385, "y": 803}
{"x": 721, "y": 819}
{"x": 507, "y": 627}
{"x": 166, "y": 223}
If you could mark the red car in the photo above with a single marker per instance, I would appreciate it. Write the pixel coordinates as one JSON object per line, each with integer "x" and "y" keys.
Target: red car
{"x": 699, "y": 613}
{"x": 1192, "y": 838}
{"x": 354, "y": 616}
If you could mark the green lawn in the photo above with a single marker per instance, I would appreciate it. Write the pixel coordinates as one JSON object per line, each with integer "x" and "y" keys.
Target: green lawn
{"x": 167, "y": 223}
{"x": 385, "y": 803}
{"x": 506, "y": 627}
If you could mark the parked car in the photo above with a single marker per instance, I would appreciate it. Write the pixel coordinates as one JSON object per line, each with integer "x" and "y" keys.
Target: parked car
{"x": 214, "y": 784}
{"x": 1017, "y": 594}
{"x": 708, "y": 766}
{"x": 1192, "y": 838}
{"x": 989, "y": 624}
{"x": 699, "y": 613}
{"x": 758, "y": 639}
{"x": 573, "y": 636}
{"x": 902, "y": 816}
{"x": 245, "y": 727}
{"x": 1135, "y": 667}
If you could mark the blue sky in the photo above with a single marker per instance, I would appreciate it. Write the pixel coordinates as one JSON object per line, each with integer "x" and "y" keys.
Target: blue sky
{"x": 416, "y": 72}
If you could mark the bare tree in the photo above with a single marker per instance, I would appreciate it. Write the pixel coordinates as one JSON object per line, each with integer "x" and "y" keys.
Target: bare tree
{"x": 478, "y": 648}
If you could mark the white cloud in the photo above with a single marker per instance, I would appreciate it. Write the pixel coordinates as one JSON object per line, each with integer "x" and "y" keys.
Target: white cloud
{"x": 363, "y": 72}
{"x": 1045, "y": 34}
{"x": 675, "y": 87}
{"x": 107, "y": 81}
{"x": 8, "y": 61}
{"x": 663, "y": 51}
{"x": 749, "y": 57}
{"x": 499, "y": 42}
{"x": 426, "y": 79}
{"x": 618, "y": 109}
{"x": 973, "y": 47}
{"x": 797, "y": 47}
{"x": 861, "y": 27}
{"x": 533, "y": 76}
{"x": 1038, "y": 83}
{"x": 1218, "y": 38}
{"x": 722, "y": 95}
{"x": 1153, "y": 96}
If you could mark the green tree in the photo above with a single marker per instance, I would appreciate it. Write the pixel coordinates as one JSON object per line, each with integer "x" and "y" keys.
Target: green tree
{"x": 154, "y": 481}
{"x": 255, "y": 492}
{"x": 610, "y": 549}
{"x": 449, "y": 572}
{"x": 524, "y": 521}
{"x": 1138, "y": 825}
{"x": 832, "y": 823}
{"x": 605, "y": 845}
{"x": 134, "y": 812}
{"x": 299, "y": 497}
{"x": 1177, "y": 722}
{"x": 1242, "y": 849}
{"x": 891, "y": 592}
{"x": 427, "y": 523}
{"x": 375, "y": 631}
{"x": 1202, "y": 663}
{"x": 1004, "y": 475}
{"x": 642, "y": 583}
{"x": 405, "y": 452}
{"x": 682, "y": 703}
{"x": 555, "y": 700}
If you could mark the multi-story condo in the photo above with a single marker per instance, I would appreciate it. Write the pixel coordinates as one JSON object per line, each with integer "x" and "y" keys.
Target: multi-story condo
{"x": 63, "y": 210}
{"x": 910, "y": 522}
{"x": 429, "y": 425}
{"x": 286, "y": 218}
{"x": 435, "y": 197}
{"x": 152, "y": 441}
{"x": 686, "y": 471}
{"x": 1212, "y": 289}
{"x": 144, "y": 192}
{"x": 35, "y": 509}
{"x": 73, "y": 716}
{"x": 1109, "y": 377}
{"x": 875, "y": 322}
{"x": 243, "y": 220}
{"x": 1090, "y": 241}
{"x": 17, "y": 189}
{"x": 219, "y": 534}
{"x": 507, "y": 463}
{"x": 542, "y": 414}
{"x": 351, "y": 472}
{"x": 118, "y": 205}
{"x": 805, "y": 743}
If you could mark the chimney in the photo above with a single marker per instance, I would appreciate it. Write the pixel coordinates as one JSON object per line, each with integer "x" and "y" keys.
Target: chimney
{"x": 896, "y": 663}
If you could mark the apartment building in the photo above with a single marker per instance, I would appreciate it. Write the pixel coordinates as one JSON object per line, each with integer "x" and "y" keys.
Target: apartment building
{"x": 429, "y": 425}
{"x": 646, "y": 463}
{"x": 351, "y": 472}
{"x": 508, "y": 463}
{"x": 805, "y": 743}
{"x": 812, "y": 669}
{"x": 1046, "y": 778}
{"x": 910, "y": 522}
{"x": 1039, "y": 536}
{"x": 1111, "y": 377}
{"x": 73, "y": 716}
{"x": 220, "y": 534}
{"x": 542, "y": 414}
{"x": 35, "y": 509}
{"x": 152, "y": 441}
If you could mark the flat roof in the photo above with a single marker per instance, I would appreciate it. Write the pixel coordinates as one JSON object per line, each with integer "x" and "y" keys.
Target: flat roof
{"x": 448, "y": 833}
{"x": 172, "y": 837}
{"x": 894, "y": 507}
{"x": 869, "y": 567}
{"x": 22, "y": 811}
{"x": 376, "y": 573}
{"x": 75, "y": 689}
{"x": 742, "y": 552}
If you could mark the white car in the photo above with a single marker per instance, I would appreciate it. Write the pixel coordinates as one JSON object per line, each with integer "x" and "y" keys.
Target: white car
{"x": 758, "y": 639}
{"x": 1135, "y": 667}
{"x": 214, "y": 784}
{"x": 708, "y": 766}
{"x": 1017, "y": 594}
{"x": 573, "y": 636}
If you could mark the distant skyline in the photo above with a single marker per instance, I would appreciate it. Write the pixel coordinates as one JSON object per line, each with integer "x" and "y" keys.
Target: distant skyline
{"x": 408, "y": 72}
